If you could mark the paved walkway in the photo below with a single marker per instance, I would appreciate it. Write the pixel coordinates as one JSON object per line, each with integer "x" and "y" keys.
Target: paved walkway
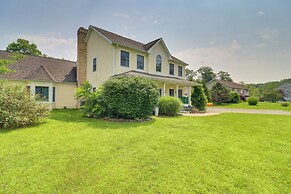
{"x": 215, "y": 111}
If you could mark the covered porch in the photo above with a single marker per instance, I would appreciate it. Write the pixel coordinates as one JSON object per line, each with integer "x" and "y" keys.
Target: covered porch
{"x": 168, "y": 85}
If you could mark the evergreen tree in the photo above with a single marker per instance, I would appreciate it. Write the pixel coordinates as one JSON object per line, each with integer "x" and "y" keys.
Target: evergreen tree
{"x": 198, "y": 98}
{"x": 206, "y": 91}
{"x": 219, "y": 93}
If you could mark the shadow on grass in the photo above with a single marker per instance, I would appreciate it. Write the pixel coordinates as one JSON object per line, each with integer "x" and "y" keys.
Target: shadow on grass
{"x": 76, "y": 116}
{"x": 8, "y": 130}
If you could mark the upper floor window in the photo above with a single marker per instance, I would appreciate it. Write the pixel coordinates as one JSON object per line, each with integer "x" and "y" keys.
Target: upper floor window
{"x": 159, "y": 63}
{"x": 171, "y": 69}
{"x": 180, "y": 71}
{"x": 140, "y": 62}
{"x": 124, "y": 59}
{"x": 94, "y": 64}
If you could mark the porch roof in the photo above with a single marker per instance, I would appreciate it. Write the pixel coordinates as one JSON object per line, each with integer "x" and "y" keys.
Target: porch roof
{"x": 160, "y": 78}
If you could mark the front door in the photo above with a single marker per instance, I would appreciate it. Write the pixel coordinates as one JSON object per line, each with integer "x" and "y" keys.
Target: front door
{"x": 171, "y": 92}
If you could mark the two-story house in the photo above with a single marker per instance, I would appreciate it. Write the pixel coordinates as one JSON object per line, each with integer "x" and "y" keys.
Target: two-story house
{"x": 102, "y": 54}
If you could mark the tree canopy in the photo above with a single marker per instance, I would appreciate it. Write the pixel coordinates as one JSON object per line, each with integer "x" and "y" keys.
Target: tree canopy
{"x": 222, "y": 75}
{"x": 24, "y": 47}
{"x": 190, "y": 74}
{"x": 206, "y": 74}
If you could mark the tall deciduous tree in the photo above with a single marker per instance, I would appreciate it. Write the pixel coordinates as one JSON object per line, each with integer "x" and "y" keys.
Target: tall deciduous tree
{"x": 222, "y": 75}
{"x": 206, "y": 74}
{"x": 24, "y": 47}
{"x": 190, "y": 74}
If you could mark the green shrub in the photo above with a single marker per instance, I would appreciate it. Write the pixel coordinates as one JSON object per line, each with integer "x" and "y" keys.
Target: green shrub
{"x": 285, "y": 104}
{"x": 198, "y": 98}
{"x": 206, "y": 91}
{"x": 121, "y": 97}
{"x": 18, "y": 108}
{"x": 170, "y": 106}
{"x": 252, "y": 101}
{"x": 272, "y": 96}
{"x": 234, "y": 97}
{"x": 219, "y": 93}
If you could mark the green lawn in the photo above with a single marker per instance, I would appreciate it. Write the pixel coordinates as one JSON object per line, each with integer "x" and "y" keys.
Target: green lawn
{"x": 228, "y": 153}
{"x": 260, "y": 105}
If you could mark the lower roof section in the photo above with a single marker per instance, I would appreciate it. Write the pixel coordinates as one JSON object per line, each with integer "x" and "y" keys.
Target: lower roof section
{"x": 160, "y": 78}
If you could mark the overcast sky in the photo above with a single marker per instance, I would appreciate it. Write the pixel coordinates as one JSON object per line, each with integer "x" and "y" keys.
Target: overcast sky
{"x": 250, "y": 39}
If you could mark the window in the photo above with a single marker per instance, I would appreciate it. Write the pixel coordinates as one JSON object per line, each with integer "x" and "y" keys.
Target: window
{"x": 171, "y": 92}
{"x": 159, "y": 63}
{"x": 171, "y": 69}
{"x": 54, "y": 94}
{"x": 43, "y": 92}
{"x": 140, "y": 62}
{"x": 124, "y": 59}
{"x": 94, "y": 64}
{"x": 94, "y": 89}
{"x": 180, "y": 71}
{"x": 180, "y": 92}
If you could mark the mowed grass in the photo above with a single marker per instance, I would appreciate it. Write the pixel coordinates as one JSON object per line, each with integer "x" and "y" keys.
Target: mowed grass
{"x": 260, "y": 105}
{"x": 228, "y": 153}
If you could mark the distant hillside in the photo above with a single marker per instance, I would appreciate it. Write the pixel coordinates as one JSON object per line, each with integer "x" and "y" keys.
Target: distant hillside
{"x": 258, "y": 89}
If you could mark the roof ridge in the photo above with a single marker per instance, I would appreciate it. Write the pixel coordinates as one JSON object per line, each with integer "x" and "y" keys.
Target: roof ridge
{"x": 115, "y": 34}
{"x": 45, "y": 70}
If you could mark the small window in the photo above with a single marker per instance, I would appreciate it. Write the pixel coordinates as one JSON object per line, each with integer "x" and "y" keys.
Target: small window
{"x": 94, "y": 89}
{"x": 94, "y": 64}
{"x": 159, "y": 63}
{"x": 171, "y": 69}
{"x": 140, "y": 62}
{"x": 180, "y": 71}
{"x": 180, "y": 93}
{"x": 54, "y": 94}
{"x": 171, "y": 92}
{"x": 43, "y": 92}
{"x": 124, "y": 59}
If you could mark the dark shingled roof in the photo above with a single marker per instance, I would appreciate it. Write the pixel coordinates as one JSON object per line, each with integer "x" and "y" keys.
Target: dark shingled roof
{"x": 41, "y": 69}
{"x": 232, "y": 84}
{"x": 121, "y": 40}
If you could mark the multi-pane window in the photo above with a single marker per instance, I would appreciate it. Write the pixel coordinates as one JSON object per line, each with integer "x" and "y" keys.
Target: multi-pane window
{"x": 171, "y": 69}
{"x": 159, "y": 63}
{"x": 160, "y": 91}
{"x": 140, "y": 62}
{"x": 42, "y": 92}
{"x": 124, "y": 59}
{"x": 180, "y": 71}
{"x": 94, "y": 64}
{"x": 171, "y": 92}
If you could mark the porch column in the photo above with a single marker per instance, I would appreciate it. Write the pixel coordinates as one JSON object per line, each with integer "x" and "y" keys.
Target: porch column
{"x": 32, "y": 89}
{"x": 177, "y": 90}
{"x": 189, "y": 95}
{"x": 164, "y": 89}
{"x": 50, "y": 99}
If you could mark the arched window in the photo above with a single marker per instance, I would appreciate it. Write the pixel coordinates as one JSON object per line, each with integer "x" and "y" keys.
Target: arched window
{"x": 159, "y": 63}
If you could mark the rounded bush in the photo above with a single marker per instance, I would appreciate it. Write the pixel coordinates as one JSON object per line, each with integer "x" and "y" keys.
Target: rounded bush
{"x": 285, "y": 104}
{"x": 18, "y": 108}
{"x": 252, "y": 101}
{"x": 129, "y": 97}
{"x": 170, "y": 106}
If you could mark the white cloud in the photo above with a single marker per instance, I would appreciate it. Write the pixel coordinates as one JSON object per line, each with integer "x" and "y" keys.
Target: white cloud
{"x": 260, "y": 45}
{"x": 260, "y": 13}
{"x": 222, "y": 56}
{"x": 269, "y": 35}
{"x": 52, "y": 44}
{"x": 212, "y": 43}
{"x": 150, "y": 18}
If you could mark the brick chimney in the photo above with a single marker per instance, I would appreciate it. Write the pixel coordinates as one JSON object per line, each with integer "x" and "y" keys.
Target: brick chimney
{"x": 81, "y": 55}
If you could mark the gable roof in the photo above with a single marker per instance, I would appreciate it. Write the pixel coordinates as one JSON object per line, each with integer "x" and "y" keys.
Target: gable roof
{"x": 127, "y": 42}
{"x": 230, "y": 84}
{"x": 41, "y": 69}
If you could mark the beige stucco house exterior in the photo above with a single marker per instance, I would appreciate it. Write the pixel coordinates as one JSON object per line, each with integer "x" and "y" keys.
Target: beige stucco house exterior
{"x": 102, "y": 54}
{"x": 53, "y": 79}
